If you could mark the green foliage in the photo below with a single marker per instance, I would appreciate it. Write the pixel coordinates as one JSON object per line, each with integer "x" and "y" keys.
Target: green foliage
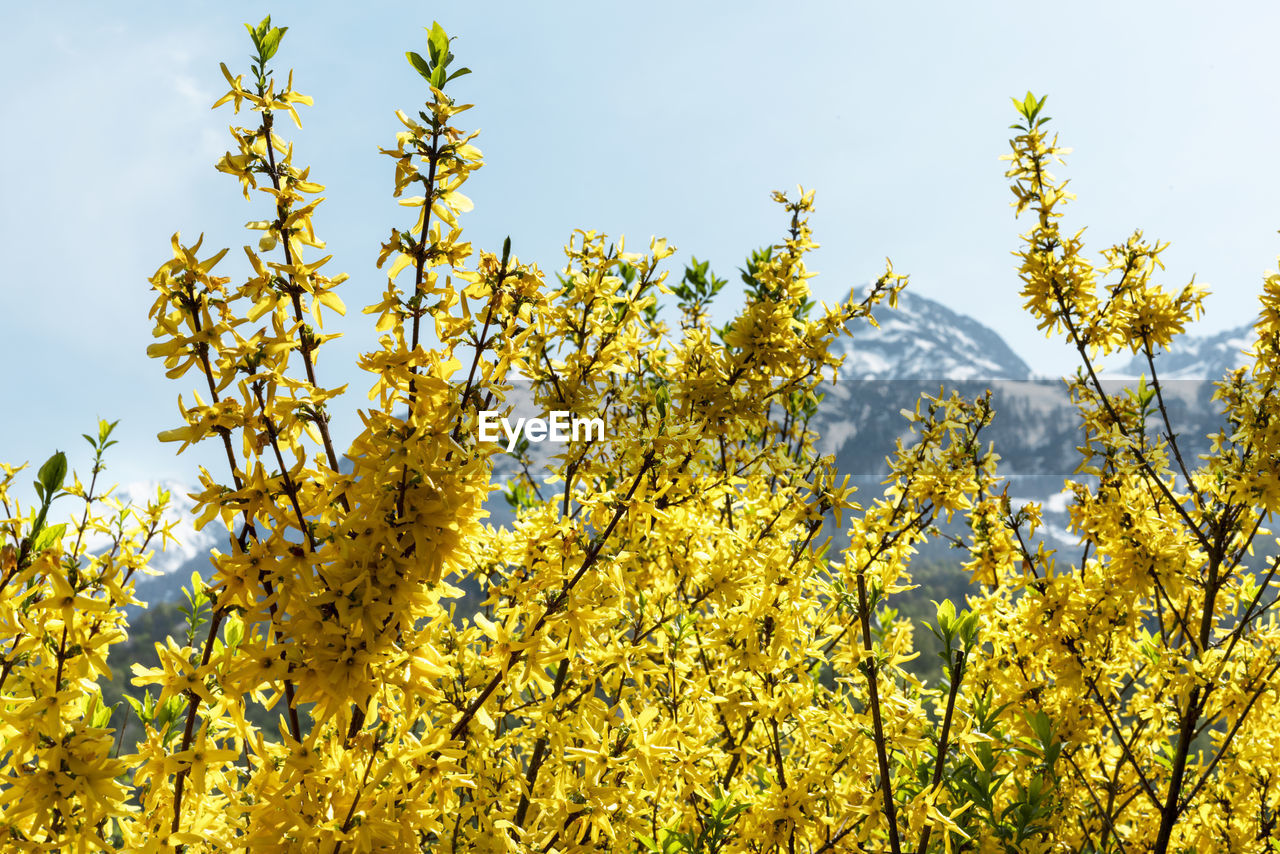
{"x": 266, "y": 41}
{"x": 196, "y": 607}
{"x": 1030, "y": 108}
{"x": 712, "y": 835}
{"x": 435, "y": 69}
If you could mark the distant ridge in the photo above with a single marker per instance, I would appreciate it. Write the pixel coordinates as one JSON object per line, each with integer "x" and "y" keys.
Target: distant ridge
{"x": 923, "y": 339}
{"x": 1194, "y": 357}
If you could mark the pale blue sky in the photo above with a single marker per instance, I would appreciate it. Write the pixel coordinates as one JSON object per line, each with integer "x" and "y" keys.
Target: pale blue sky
{"x": 634, "y": 119}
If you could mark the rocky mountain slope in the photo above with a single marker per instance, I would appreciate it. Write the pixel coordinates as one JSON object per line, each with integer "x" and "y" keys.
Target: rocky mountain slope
{"x": 1199, "y": 357}
{"x": 924, "y": 340}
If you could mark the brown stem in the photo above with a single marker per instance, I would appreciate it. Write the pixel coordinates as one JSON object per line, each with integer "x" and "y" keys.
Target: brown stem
{"x": 780, "y": 767}
{"x": 1082, "y": 349}
{"x": 433, "y": 157}
{"x": 321, "y": 421}
{"x": 957, "y": 673}
{"x": 835, "y": 840}
{"x": 1168, "y": 426}
{"x": 882, "y": 755}
{"x": 539, "y": 754}
{"x": 494, "y": 298}
{"x": 188, "y": 731}
{"x": 736, "y": 762}
{"x": 1126, "y": 745}
{"x": 1171, "y": 810}
{"x": 62, "y": 657}
{"x": 290, "y": 487}
{"x": 193, "y": 700}
{"x": 1226, "y": 742}
{"x": 355, "y": 799}
{"x": 1108, "y": 817}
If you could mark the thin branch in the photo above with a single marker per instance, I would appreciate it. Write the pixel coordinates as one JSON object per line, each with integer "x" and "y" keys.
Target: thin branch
{"x": 882, "y": 757}
{"x": 553, "y": 607}
{"x": 1226, "y": 742}
{"x": 957, "y": 673}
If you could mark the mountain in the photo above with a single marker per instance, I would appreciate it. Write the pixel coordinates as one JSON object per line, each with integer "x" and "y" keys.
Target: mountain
{"x": 176, "y": 561}
{"x": 924, "y": 340}
{"x": 924, "y": 345}
{"x": 191, "y": 543}
{"x": 1194, "y": 357}
{"x": 917, "y": 348}
{"x": 1036, "y": 427}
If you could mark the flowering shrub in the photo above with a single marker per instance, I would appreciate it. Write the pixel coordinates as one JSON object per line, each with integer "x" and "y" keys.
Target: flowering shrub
{"x": 667, "y": 657}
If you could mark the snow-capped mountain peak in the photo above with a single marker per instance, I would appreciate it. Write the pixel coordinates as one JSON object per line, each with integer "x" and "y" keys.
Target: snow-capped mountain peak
{"x": 923, "y": 339}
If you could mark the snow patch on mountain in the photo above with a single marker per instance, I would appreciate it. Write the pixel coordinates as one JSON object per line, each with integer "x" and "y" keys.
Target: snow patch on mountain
{"x": 1197, "y": 357}
{"x": 191, "y": 544}
{"x": 923, "y": 339}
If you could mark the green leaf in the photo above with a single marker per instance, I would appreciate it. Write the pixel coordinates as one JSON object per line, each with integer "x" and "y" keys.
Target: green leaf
{"x": 47, "y": 537}
{"x": 271, "y": 42}
{"x": 459, "y": 73}
{"x": 165, "y": 714}
{"x": 420, "y": 65}
{"x": 53, "y": 473}
{"x": 101, "y": 715}
{"x": 438, "y": 40}
{"x": 259, "y": 32}
{"x": 946, "y": 615}
{"x": 1041, "y": 726}
{"x": 143, "y": 714}
{"x": 104, "y": 430}
{"x": 233, "y": 630}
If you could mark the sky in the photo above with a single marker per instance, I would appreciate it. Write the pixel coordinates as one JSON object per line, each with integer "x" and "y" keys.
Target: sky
{"x": 661, "y": 118}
